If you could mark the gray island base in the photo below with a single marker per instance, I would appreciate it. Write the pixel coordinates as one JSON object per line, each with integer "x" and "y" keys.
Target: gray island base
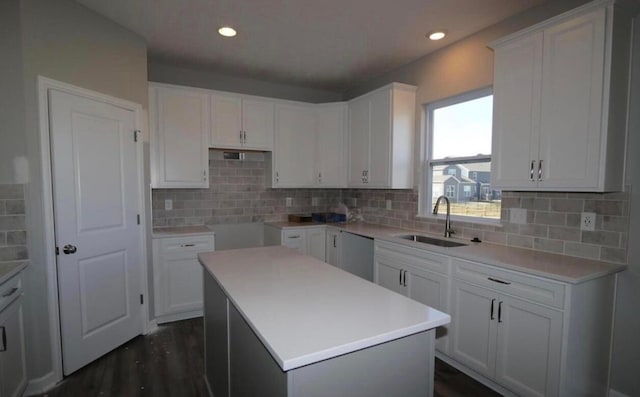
{"x": 238, "y": 364}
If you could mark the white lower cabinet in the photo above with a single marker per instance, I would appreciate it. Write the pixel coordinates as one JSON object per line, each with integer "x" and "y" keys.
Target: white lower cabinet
{"x": 332, "y": 249}
{"x": 13, "y": 366}
{"x": 418, "y": 274}
{"x": 178, "y": 276}
{"x": 308, "y": 240}
{"x": 512, "y": 341}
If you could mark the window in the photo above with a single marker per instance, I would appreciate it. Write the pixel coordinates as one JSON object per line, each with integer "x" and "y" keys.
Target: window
{"x": 458, "y": 156}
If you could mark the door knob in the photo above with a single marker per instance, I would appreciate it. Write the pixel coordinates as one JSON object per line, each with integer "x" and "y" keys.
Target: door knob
{"x": 69, "y": 249}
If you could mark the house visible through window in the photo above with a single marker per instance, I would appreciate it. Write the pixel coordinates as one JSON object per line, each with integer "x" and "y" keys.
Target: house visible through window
{"x": 458, "y": 156}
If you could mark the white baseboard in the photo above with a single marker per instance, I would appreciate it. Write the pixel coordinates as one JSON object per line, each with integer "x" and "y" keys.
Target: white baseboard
{"x": 615, "y": 393}
{"x": 41, "y": 384}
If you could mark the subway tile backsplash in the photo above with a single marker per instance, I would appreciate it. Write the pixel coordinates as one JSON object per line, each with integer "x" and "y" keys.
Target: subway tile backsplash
{"x": 13, "y": 235}
{"x": 238, "y": 194}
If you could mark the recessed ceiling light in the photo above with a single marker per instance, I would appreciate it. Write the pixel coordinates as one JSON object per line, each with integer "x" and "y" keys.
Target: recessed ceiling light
{"x": 437, "y": 35}
{"x": 227, "y": 31}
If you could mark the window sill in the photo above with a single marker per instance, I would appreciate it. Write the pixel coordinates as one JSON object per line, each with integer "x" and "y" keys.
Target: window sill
{"x": 465, "y": 219}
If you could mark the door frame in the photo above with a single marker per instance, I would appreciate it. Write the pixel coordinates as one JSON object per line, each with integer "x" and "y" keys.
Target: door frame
{"x": 44, "y": 85}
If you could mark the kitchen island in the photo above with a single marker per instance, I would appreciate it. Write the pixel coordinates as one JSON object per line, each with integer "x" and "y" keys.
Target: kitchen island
{"x": 280, "y": 323}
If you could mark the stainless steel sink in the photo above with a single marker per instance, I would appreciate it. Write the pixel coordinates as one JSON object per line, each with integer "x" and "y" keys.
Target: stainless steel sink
{"x": 430, "y": 240}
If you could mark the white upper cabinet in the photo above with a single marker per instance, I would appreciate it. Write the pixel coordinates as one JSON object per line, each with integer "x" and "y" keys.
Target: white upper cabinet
{"x": 330, "y": 145}
{"x": 560, "y": 95}
{"x": 309, "y": 145}
{"x": 179, "y": 126}
{"x": 294, "y": 153}
{"x": 381, "y": 135}
{"x": 239, "y": 122}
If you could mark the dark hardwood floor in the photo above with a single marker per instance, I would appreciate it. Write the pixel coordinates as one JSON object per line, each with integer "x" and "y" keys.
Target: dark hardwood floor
{"x": 169, "y": 362}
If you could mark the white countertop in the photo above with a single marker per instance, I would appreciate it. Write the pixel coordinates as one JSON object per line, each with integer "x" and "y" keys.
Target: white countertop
{"x": 563, "y": 268}
{"x": 10, "y": 269}
{"x": 179, "y": 231}
{"x": 305, "y": 311}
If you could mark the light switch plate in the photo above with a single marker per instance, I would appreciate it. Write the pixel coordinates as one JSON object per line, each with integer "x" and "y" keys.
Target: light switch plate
{"x": 588, "y": 221}
{"x": 168, "y": 205}
{"x": 289, "y": 201}
{"x": 518, "y": 215}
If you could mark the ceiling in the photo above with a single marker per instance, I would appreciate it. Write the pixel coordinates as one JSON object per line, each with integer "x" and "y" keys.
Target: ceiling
{"x": 328, "y": 44}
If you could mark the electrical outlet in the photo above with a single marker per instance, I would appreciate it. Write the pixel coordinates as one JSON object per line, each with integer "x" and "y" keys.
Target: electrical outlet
{"x": 289, "y": 201}
{"x": 314, "y": 201}
{"x": 588, "y": 221}
{"x": 389, "y": 203}
{"x": 168, "y": 204}
{"x": 518, "y": 215}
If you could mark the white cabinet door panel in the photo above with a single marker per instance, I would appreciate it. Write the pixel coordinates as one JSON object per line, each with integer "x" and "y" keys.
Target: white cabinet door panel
{"x": 226, "y": 121}
{"x": 182, "y": 283}
{"x": 316, "y": 243}
{"x": 330, "y": 146}
{"x": 572, "y": 94}
{"x": 258, "y": 124}
{"x": 295, "y": 142}
{"x": 474, "y": 335}
{"x": 516, "y": 112}
{"x": 431, "y": 289}
{"x": 296, "y": 239}
{"x": 358, "y": 140}
{"x": 389, "y": 276}
{"x": 529, "y": 347}
{"x": 380, "y": 140}
{"x": 13, "y": 364}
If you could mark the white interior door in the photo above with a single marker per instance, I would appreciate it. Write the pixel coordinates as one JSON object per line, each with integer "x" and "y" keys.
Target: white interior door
{"x": 96, "y": 189}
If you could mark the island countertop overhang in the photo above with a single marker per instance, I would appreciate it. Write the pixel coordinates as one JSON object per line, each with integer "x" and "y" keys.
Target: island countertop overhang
{"x": 305, "y": 311}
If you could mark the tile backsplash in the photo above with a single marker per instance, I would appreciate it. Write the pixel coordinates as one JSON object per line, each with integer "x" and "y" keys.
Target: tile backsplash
{"x": 238, "y": 194}
{"x": 13, "y": 234}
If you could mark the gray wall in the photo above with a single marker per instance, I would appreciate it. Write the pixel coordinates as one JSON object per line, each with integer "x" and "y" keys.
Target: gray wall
{"x": 164, "y": 72}
{"x": 626, "y": 345}
{"x": 12, "y": 141}
{"x": 65, "y": 41}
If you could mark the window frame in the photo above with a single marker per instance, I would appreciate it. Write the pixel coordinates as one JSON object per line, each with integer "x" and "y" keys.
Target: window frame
{"x": 425, "y": 185}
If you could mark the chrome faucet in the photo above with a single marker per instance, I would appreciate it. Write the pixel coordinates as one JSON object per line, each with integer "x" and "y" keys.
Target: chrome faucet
{"x": 447, "y": 223}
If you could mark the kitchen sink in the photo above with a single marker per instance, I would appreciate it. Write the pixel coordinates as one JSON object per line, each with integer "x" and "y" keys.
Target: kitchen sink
{"x": 430, "y": 240}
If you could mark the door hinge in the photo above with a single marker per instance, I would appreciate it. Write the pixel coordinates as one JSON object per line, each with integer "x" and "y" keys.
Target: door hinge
{"x": 141, "y": 299}
{"x": 138, "y": 219}
{"x": 135, "y": 135}
{"x": 57, "y": 251}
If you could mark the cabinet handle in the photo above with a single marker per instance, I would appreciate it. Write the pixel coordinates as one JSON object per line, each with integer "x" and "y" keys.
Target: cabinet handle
{"x": 319, "y": 177}
{"x": 241, "y": 137}
{"x": 533, "y": 165}
{"x": 277, "y": 176}
{"x": 495, "y": 280}
{"x": 540, "y": 170}
{"x": 204, "y": 178}
{"x": 400, "y": 277}
{"x": 188, "y": 245}
{"x": 298, "y": 236}
{"x": 244, "y": 133}
{"x": 500, "y": 312}
{"x": 334, "y": 241}
{"x": 4, "y": 340}
{"x": 11, "y": 292}
{"x": 493, "y": 301}
{"x": 404, "y": 278}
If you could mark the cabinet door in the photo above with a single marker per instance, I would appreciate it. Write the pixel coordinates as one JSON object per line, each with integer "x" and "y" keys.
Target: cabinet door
{"x": 378, "y": 172}
{"x": 226, "y": 121}
{"x": 572, "y": 94}
{"x": 473, "y": 341}
{"x": 330, "y": 146}
{"x": 332, "y": 247}
{"x": 516, "y": 113}
{"x": 529, "y": 346}
{"x": 295, "y": 141}
{"x": 13, "y": 370}
{"x": 359, "y": 124}
{"x": 432, "y": 290}
{"x": 258, "y": 124}
{"x": 316, "y": 243}
{"x": 182, "y": 283}
{"x": 389, "y": 275}
{"x": 180, "y": 125}
{"x": 296, "y": 239}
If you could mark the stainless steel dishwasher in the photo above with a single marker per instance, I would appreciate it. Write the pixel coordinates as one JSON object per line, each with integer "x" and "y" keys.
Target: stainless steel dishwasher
{"x": 356, "y": 255}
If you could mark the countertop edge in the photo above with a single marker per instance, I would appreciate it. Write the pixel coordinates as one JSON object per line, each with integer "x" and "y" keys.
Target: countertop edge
{"x": 168, "y": 232}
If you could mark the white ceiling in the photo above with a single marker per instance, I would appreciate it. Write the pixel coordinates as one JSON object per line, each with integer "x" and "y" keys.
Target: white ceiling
{"x": 331, "y": 44}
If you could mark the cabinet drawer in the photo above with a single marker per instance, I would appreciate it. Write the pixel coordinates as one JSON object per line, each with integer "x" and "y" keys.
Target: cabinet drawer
{"x": 413, "y": 257}
{"x": 516, "y": 284}
{"x": 187, "y": 244}
{"x": 10, "y": 290}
